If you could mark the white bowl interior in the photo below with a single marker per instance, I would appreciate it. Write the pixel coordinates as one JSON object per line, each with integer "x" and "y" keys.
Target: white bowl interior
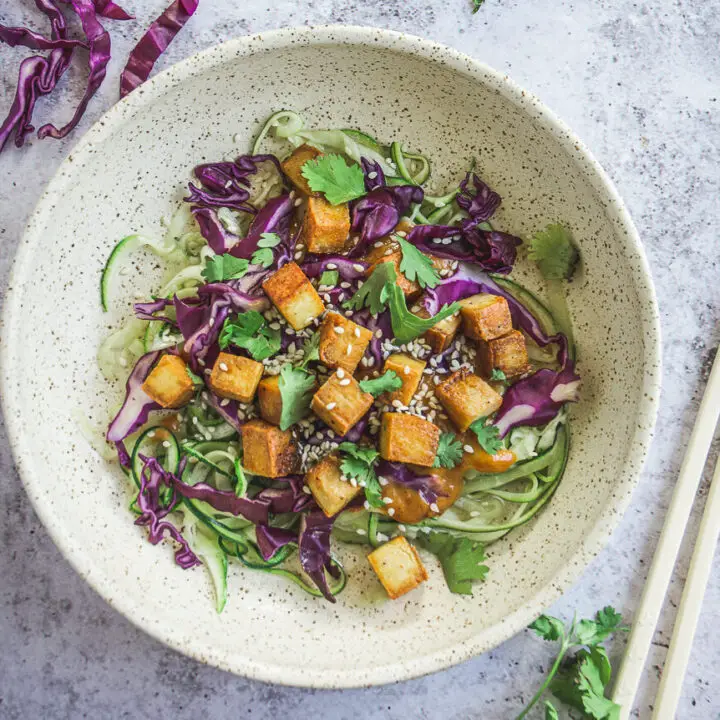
{"x": 129, "y": 172}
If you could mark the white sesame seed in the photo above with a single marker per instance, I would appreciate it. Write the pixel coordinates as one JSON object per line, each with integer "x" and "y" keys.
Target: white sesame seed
{"x": 289, "y": 331}
{"x": 401, "y": 527}
{"x": 360, "y": 531}
{"x": 309, "y": 320}
{"x": 348, "y": 351}
{"x": 387, "y": 500}
{"x": 331, "y": 266}
{"x": 307, "y": 490}
{"x": 123, "y": 362}
{"x": 340, "y": 373}
{"x": 344, "y": 382}
{"x": 474, "y": 513}
{"x": 298, "y": 255}
{"x": 223, "y": 366}
{"x": 371, "y": 361}
{"x": 212, "y": 322}
{"x": 353, "y": 482}
{"x": 388, "y": 252}
{"x": 468, "y": 449}
{"x": 339, "y": 330}
{"x": 437, "y": 241}
{"x": 357, "y": 332}
{"x": 382, "y": 480}
{"x": 391, "y": 511}
{"x": 372, "y": 175}
{"x": 434, "y": 507}
{"x": 396, "y": 403}
{"x": 345, "y": 285}
{"x": 382, "y": 537}
{"x": 298, "y": 202}
{"x": 406, "y": 370}
{"x": 330, "y": 406}
{"x": 151, "y": 434}
{"x": 224, "y": 402}
{"x": 401, "y": 233}
{"x": 446, "y": 241}
{"x": 366, "y": 505}
{"x": 378, "y": 334}
{"x": 358, "y": 267}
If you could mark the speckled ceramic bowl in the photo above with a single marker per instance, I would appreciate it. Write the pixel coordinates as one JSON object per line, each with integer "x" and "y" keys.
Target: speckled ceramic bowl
{"x": 128, "y": 171}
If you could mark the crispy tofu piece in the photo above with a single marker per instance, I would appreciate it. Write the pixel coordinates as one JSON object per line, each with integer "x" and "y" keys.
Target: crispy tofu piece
{"x": 440, "y": 335}
{"x": 398, "y": 567}
{"x": 269, "y": 399}
{"x": 294, "y": 296}
{"x": 467, "y": 397}
{"x": 340, "y": 402}
{"x": 408, "y": 439}
{"x": 485, "y": 316}
{"x": 342, "y": 342}
{"x": 268, "y": 450}
{"x": 169, "y": 384}
{"x": 235, "y": 377}
{"x": 507, "y": 353}
{"x": 326, "y": 227}
{"x": 330, "y": 492}
{"x": 410, "y": 371}
{"x": 292, "y": 167}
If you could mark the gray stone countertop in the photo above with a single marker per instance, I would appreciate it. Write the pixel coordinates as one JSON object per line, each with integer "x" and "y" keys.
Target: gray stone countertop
{"x": 639, "y": 82}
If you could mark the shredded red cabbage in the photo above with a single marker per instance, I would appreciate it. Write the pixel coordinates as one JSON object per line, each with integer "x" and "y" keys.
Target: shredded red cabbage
{"x": 271, "y": 539}
{"x": 350, "y": 270}
{"x": 480, "y": 202}
{"x": 314, "y": 550}
{"x": 154, "y": 43}
{"x": 275, "y": 217}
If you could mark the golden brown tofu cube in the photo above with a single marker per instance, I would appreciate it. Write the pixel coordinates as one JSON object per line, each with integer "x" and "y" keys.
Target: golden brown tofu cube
{"x": 389, "y": 251}
{"x": 342, "y": 342}
{"x": 326, "y": 227}
{"x": 507, "y": 353}
{"x": 398, "y": 566}
{"x": 440, "y": 335}
{"x": 292, "y": 167}
{"x": 330, "y": 492}
{"x": 269, "y": 399}
{"x": 485, "y": 316}
{"x": 294, "y": 296}
{"x": 268, "y": 450}
{"x": 410, "y": 371}
{"x": 235, "y": 377}
{"x": 340, "y": 402}
{"x": 408, "y": 439}
{"x": 169, "y": 384}
{"x": 467, "y": 397}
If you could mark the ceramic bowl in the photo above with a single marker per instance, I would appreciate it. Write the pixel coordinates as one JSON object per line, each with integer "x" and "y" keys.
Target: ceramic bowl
{"x": 129, "y": 171}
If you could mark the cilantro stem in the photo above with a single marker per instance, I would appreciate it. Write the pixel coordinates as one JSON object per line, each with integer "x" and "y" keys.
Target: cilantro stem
{"x": 557, "y": 300}
{"x": 564, "y": 647}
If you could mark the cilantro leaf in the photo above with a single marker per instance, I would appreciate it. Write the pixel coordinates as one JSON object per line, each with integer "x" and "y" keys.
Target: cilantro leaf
{"x": 461, "y": 560}
{"x": 477, "y": 4}
{"x": 416, "y": 266}
{"x": 224, "y": 267}
{"x": 262, "y": 256}
{"x": 269, "y": 240}
{"x": 359, "y": 463}
{"x": 332, "y": 176}
{"x": 196, "y": 379}
{"x": 374, "y": 292}
{"x": 487, "y": 436}
{"x": 311, "y": 350}
{"x": 550, "y": 711}
{"x": 329, "y": 278}
{"x": 387, "y": 382}
{"x": 498, "y": 375}
{"x": 449, "y": 452}
{"x": 592, "y": 632}
{"x": 548, "y": 628}
{"x": 249, "y": 331}
{"x": 296, "y": 390}
{"x": 554, "y": 252}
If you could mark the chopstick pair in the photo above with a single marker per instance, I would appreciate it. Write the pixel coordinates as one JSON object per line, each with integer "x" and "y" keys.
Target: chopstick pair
{"x": 663, "y": 564}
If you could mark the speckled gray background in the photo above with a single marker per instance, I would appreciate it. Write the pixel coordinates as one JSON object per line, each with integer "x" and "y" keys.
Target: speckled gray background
{"x": 638, "y": 81}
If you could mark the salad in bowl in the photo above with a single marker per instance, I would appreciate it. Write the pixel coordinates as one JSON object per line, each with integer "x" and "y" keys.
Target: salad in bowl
{"x": 337, "y": 356}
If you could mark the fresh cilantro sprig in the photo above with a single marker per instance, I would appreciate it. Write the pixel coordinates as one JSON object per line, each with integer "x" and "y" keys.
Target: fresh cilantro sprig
{"x": 461, "y": 559}
{"x": 332, "y": 176}
{"x": 416, "y": 266}
{"x": 264, "y": 254}
{"x": 581, "y": 682}
{"x": 359, "y": 463}
{"x": 498, "y": 375}
{"x": 249, "y": 331}
{"x": 487, "y": 436}
{"x": 329, "y": 279}
{"x": 224, "y": 267}
{"x": 197, "y": 381}
{"x": 449, "y": 452}
{"x": 477, "y": 4}
{"x": 374, "y": 292}
{"x": 311, "y": 350}
{"x": 387, "y": 382}
{"x": 296, "y": 387}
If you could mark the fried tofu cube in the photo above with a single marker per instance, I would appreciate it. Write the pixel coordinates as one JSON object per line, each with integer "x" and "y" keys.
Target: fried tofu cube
{"x": 340, "y": 403}
{"x": 440, "y": 335}
{"x": 268, "y": 450}
{"x": 410, "y": 371}
{"x": 292, "y": 167}
{"x": 269, "y": 399}
{"x": 467, "y": 397}
{"x": 294, "y": 296}
{"x": 326, "y": 227}
{"x": 485, "y": 316}
{"x": 507, "y": 353}
{"x": 331, "y": 493}
{"x": 389, "y": 251}
{"x": 169, "y": 384}
{"x": 235, "y": 377}
{"x": 408, "y": 439}
{"x": 398, "y": 567}
{"x": 342, "y": 342}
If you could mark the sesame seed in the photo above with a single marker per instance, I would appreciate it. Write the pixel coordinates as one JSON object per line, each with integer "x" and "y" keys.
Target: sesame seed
{"x": 349, "y": 349}
{"x": 387, "y": 500}
{"x": 223, "y": 367}
{"x": 434, "y": 507}
{"x": 298, "y": 255}
{"x": 446, "y": 241}
{"x": 211, "y": 322}
{"x": 330, "y": 406}
{"x": 396, "y": 403}
{"x": 474, "y": 513}
{"x": 401, "y": 233}
{"x": 357, "y": 267}
{"x": 382, "y": 537}
{"x": 388, "y": 252}
{"x": 366, "y": 505}
{"x": 357, "y": 332}
{"x": 327, "y": 298}
{"x": 360, "y": 531}
{"x": 289, "y": 331}
{"x": 151, "y": 434}
{"x": 307, "y": 490}
{"x": 372, "y": 175}
{"x": 331, "y": 266}
{"x": 371, "y": 361}
{"x": 391, "y": 511}
{"x": 382, "y": 480}
{"x": 309, "y": 320}
{"x": 468, "y": 449}
{"x": 298, "y": 202}
{"x": 378, "y": 334}
{"x": 437, "y": 241}
{"x": 224, "y": 402}
{"x": 406, "y": 370}
{"x": 123, "y": 362}
{"x": 345, "y": 285}
{"x": 353, "y": 482}
{"x": 401, "y": 527}
{"x": 339, "y": 330}
{"x": 300, "y": 246}
{"x": 345, "y": 382}
{"x": 340, "y": 373}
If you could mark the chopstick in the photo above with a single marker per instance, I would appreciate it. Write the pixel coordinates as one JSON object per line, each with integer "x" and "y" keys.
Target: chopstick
{"x": 690, "y": 606}
{"x": 671, "y": 537}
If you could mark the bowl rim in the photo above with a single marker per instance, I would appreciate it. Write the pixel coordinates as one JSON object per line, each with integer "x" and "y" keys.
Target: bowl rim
{"x": 646, "y": 415}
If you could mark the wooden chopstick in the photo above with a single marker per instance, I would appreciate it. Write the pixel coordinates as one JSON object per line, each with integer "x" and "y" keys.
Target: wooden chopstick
{"x": 656, "y": 585}
{"x": 690, "y": 606}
